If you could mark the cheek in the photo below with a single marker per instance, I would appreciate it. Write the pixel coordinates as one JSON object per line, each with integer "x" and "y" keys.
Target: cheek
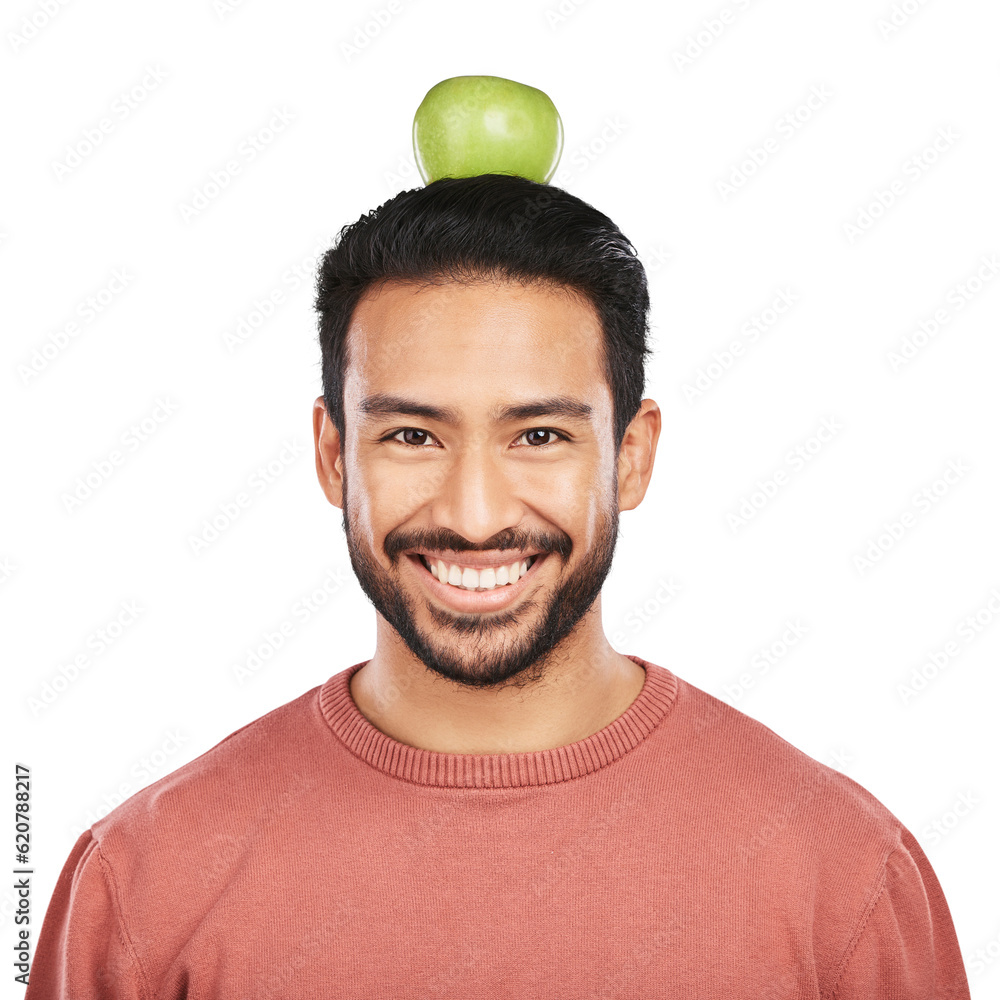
{"x": 384, "y": 495}
{"x": 368, "y": 514}
{"x": 402, "y": 489}
{"x": 568, "y": 496}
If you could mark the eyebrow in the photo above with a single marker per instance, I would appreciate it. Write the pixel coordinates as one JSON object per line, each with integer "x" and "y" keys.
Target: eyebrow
{"x": 387, "y": 405}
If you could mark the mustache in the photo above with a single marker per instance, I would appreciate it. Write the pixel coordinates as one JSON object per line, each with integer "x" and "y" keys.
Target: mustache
{"x": 396, "y": 544}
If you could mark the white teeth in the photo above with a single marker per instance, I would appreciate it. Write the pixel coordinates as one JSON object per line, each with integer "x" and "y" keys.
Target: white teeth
{"x": 487, "y": 578}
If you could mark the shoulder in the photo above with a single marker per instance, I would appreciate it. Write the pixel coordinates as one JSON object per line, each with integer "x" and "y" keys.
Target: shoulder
{"x": 779, "y": 797}
{"x": 162, "y": 859}
{"x": 816, "y": 844}
{"x": 266, "y": 760}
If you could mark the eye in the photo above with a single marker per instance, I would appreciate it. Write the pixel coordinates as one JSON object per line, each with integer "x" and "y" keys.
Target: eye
{"x": 406, "y": 430}
{"x": 545, "y": 430}
{"x": 395, "y": 436}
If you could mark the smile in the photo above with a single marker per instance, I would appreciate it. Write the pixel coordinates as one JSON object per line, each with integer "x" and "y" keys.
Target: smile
{"x": 494, "y": 595}
{"x": 485, "y": 578}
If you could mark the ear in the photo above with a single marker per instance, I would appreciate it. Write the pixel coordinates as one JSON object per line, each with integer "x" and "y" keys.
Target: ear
{"x": 329, "y": 461}
{"x": 637, "y": 454}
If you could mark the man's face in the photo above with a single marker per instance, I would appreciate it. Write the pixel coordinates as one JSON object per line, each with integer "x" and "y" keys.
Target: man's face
{"x": 471, "y": 489}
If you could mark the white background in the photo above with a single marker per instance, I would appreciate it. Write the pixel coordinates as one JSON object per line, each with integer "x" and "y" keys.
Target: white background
{"x": 648, "y": 142}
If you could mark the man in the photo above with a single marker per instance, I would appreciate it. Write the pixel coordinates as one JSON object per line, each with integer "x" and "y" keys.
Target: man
{"x": 496, "y": 803}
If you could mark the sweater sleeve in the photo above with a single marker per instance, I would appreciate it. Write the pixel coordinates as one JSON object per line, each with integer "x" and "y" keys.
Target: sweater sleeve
{"x": 906, "y": 947}
{"x": 83, "y": 951}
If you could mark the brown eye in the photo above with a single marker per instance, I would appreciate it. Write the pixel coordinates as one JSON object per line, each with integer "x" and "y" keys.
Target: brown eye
{"x": 412, "y": 430}
{"x": 541, "y": 430}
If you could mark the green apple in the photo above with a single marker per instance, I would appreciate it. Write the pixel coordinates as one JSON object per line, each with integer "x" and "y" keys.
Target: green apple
{"x": 470, "y": 125}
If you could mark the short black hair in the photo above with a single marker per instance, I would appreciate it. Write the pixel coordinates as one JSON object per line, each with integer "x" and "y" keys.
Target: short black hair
{"x": 499, "y": 227}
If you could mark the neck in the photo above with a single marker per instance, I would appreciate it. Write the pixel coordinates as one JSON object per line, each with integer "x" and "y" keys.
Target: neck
{"x": 585, "y": 686}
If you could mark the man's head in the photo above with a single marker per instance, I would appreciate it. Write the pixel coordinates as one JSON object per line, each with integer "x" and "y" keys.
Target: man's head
{"x": 466, "y": 298}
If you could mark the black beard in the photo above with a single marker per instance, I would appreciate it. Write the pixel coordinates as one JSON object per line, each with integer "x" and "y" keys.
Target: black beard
{"x": 528, "y": 649}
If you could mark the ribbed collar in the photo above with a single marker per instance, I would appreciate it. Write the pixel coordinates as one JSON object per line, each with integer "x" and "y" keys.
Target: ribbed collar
{"x": 513, "y": 770}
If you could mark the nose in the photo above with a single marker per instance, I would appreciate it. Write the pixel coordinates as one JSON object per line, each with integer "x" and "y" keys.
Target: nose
{"x": 475, "y": 497}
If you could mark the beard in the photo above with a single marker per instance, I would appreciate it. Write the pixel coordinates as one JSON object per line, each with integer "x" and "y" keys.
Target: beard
{"x": 489, "y": 650}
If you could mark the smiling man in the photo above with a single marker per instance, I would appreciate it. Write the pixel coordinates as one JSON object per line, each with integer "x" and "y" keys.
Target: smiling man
{"x": 496, "y": 803}
{"x": 483, "y": 536}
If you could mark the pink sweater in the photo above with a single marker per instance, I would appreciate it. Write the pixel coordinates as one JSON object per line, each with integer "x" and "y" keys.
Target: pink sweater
{"x": 684, "y": 851}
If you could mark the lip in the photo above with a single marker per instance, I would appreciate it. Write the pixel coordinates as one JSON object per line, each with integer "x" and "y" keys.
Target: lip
{"x": 475, "y": 600}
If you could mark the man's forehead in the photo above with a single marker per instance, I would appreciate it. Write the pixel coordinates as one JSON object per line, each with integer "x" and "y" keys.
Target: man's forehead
{"x": 402, "y": 306}
{"x": 499, "y": 323}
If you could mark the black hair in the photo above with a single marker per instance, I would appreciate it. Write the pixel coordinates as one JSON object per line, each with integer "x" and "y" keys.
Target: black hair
{"x": 499, "y": 227}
